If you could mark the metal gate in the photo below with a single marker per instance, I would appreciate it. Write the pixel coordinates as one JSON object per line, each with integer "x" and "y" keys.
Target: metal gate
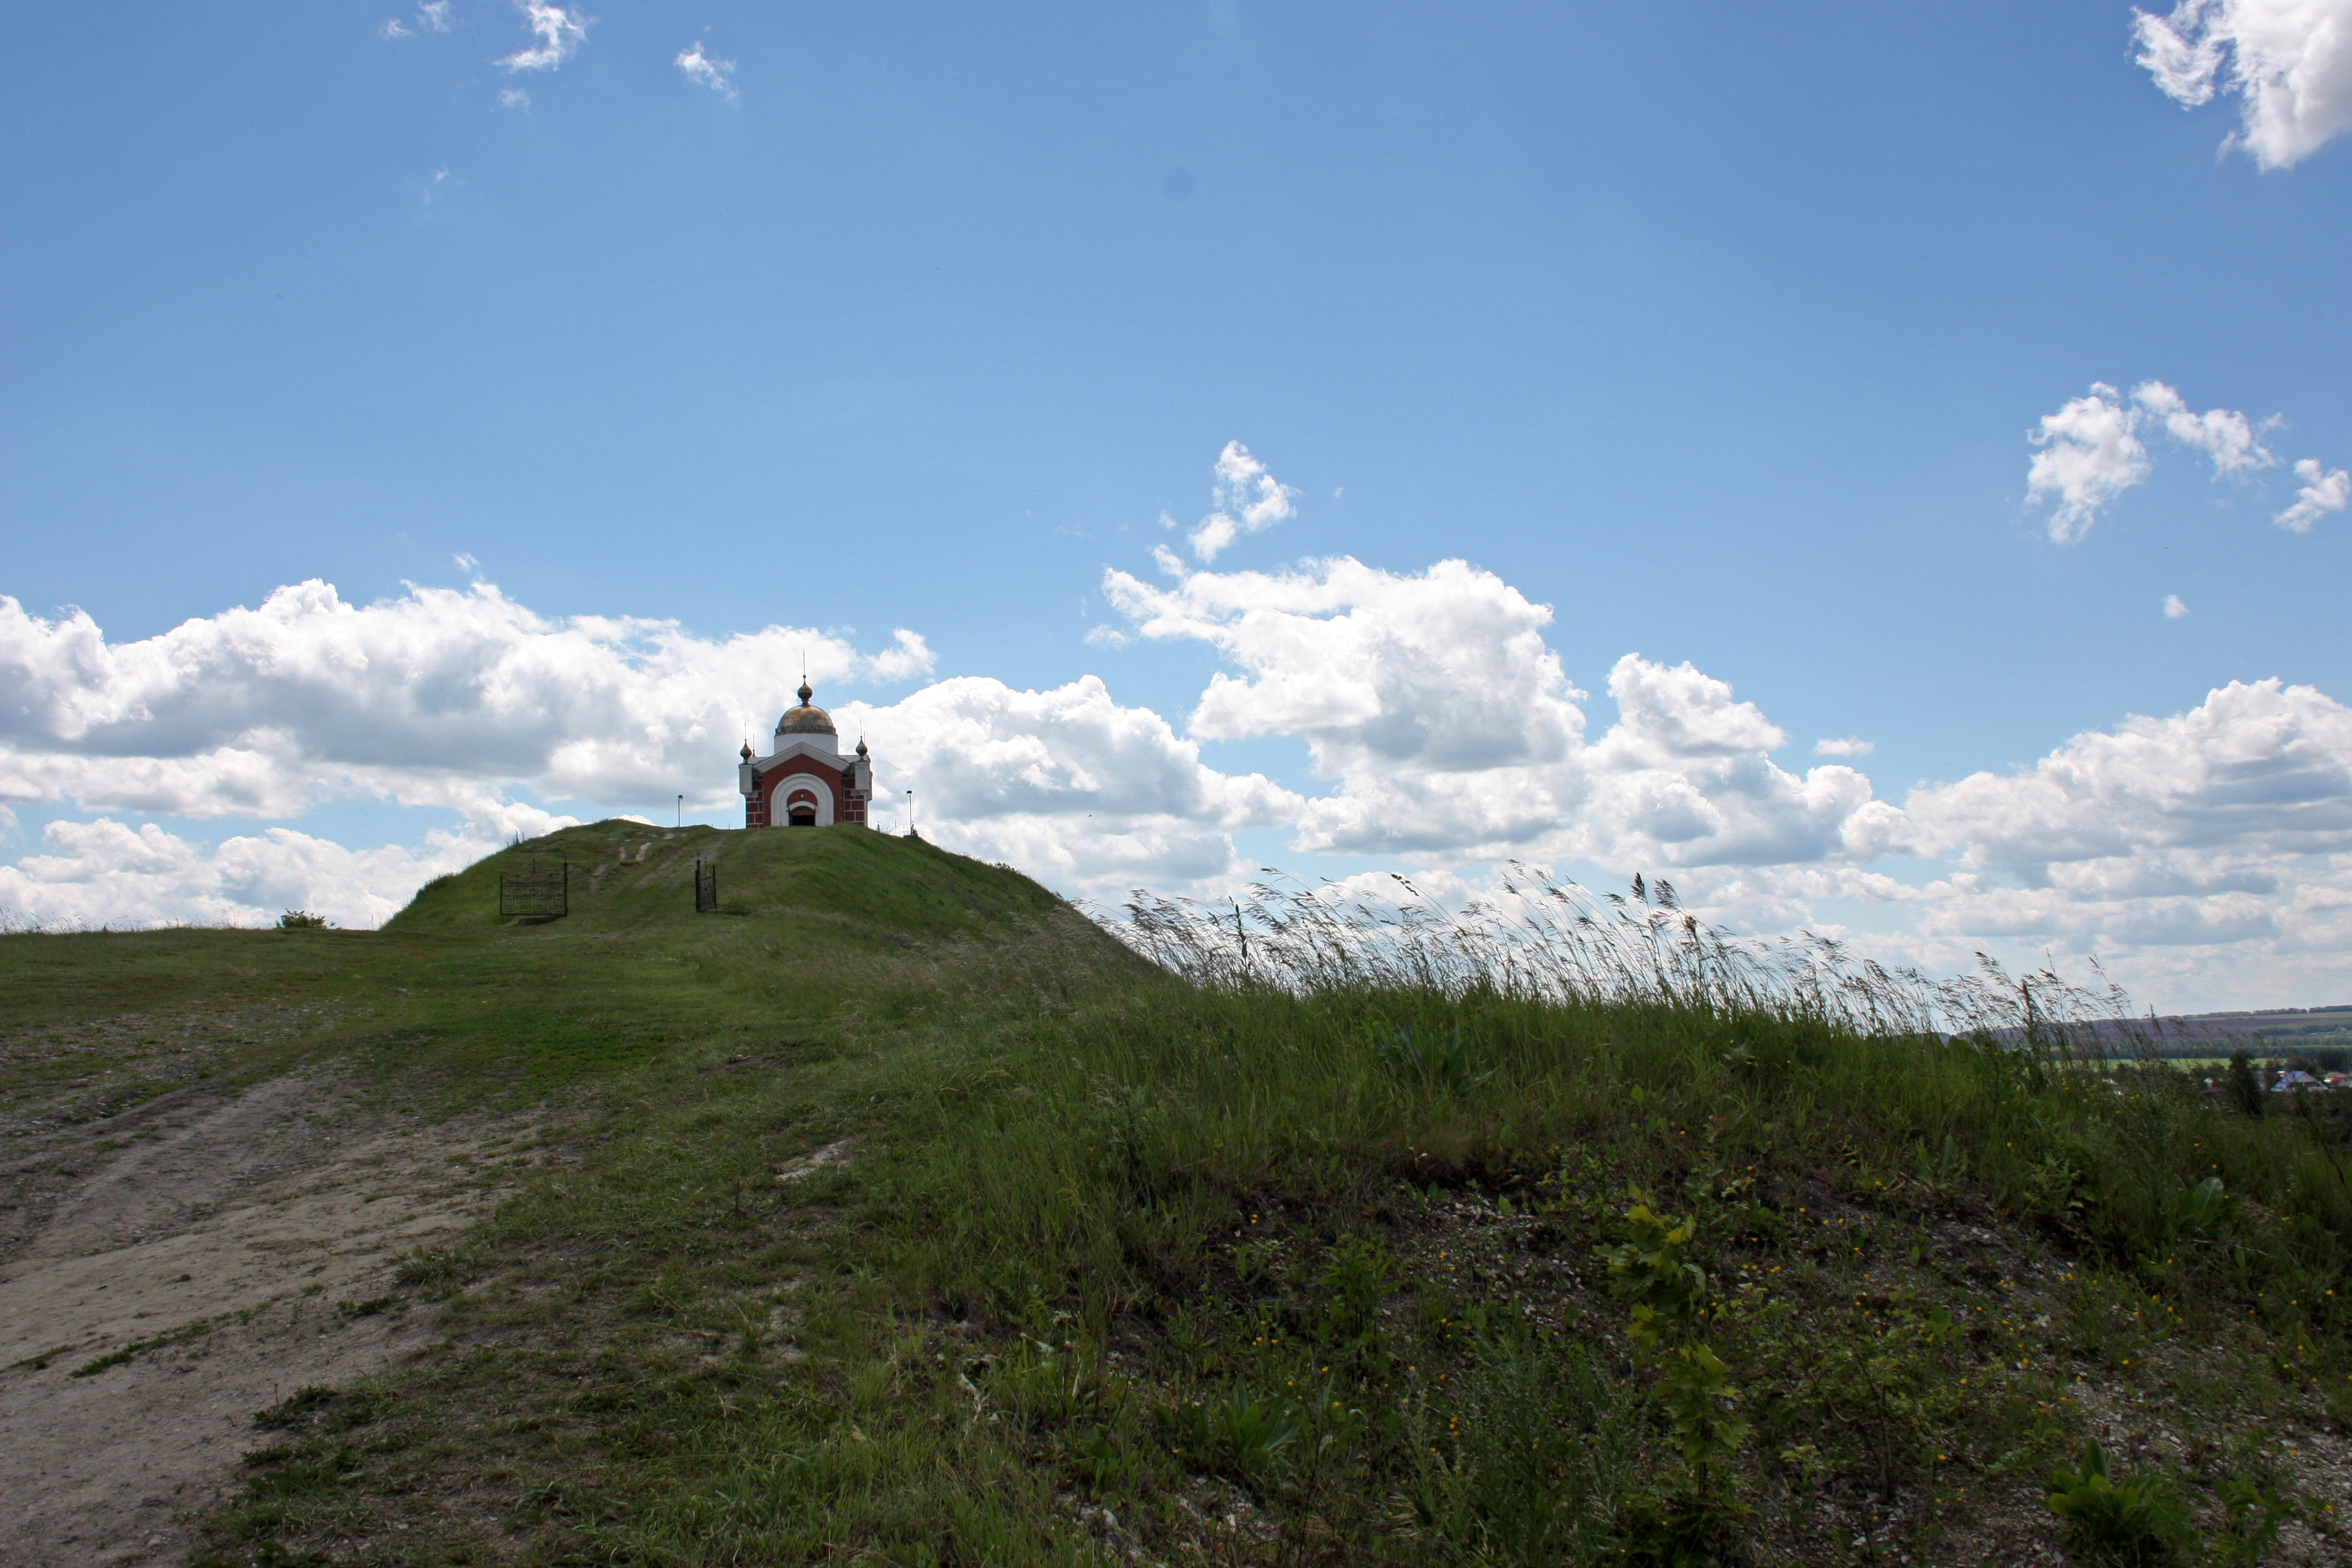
{"x": 706, "y": 888}
{"x": 539, "y": 892}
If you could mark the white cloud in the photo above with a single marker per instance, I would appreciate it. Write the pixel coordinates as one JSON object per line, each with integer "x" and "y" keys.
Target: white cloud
{"x": 1247, "y": 499}
{"x": 2224, "y": 435}
{"x": 433, "y": 17}
{"x": 908, "y": 657}
{"x": 2324, "y": 490}
{"x": 2229, "y": 824}
{"x": 701, "y": 68}
{"x": 451, "y": 699}
{"x": 559, "y": 31}
{"x": 1448, "y": 735}
{"x": 99, "y": 872}
{"x": 442, "y": 697}
{"x": 2091, "y": 453}
{"x": 2289, "y": 61}
{"x": 1685, "y": 778}
{"x": 1067, "y": 784}
{"x": 2174, "y": 609}
{"x": 1451, "y": 729}
{"x": 513, "y": 97}
{"x": 1847, "y": 746}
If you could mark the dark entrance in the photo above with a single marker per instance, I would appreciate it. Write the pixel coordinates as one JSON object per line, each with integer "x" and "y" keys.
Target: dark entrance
{"x": 803, "y": 817}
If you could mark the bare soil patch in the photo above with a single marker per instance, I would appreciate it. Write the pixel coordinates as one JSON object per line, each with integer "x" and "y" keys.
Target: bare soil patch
{"x": 182, "y": 1263}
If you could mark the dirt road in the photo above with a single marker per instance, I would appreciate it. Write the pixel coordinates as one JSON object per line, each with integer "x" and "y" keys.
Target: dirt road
{"x": 239, "y": 1245}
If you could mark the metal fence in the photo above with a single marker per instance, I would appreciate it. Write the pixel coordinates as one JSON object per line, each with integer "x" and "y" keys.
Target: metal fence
{"x": 706, "y": 887}
{"x": 536, "y": 892}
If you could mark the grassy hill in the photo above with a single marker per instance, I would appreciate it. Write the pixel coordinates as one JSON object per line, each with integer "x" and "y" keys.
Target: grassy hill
{"x": 901, "y": 1214}
{"x": 855, "y": 888}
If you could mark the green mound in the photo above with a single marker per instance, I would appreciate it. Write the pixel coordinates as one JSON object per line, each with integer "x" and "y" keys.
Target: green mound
{"x": 626, "y": 876}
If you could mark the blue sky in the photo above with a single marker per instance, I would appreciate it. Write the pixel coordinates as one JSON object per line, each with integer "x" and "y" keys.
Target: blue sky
{"x": 1720, "y": 334}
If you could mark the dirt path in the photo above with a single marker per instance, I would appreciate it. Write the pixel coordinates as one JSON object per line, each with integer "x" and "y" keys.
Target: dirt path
{"x": 223, "y": 1238}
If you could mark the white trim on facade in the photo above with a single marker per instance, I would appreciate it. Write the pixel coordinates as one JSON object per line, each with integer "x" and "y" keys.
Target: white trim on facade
{"x": 779, "y": 814}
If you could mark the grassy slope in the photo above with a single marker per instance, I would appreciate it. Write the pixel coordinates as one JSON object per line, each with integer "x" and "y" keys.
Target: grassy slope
{"x": 1110, "y": 1263}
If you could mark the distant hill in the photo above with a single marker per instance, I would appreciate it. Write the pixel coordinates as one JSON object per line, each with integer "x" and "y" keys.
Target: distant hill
{"x": 2273, "y": 1031}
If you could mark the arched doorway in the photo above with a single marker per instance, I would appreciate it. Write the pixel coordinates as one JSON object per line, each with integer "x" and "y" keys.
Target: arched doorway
{"x": 802, "y": 801}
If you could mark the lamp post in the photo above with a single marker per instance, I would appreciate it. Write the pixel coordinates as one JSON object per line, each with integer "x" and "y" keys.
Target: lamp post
{"x": 910, "y": 815}
{"x": 681, "y": 811}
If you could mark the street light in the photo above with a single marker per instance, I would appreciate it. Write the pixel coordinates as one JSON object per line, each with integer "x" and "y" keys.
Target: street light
{"x": 910, "y": 815}
{"x": 681, "y": 811}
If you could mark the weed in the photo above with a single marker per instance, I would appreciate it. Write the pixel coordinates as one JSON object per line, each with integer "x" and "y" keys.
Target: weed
{"x": 296, "y": 1407}
{"x": 2140, "y": 1520}
{"x": 112, "y": 1358}
{"x": 1241, "y": 1434}
{"x": 2254, "y": 1512}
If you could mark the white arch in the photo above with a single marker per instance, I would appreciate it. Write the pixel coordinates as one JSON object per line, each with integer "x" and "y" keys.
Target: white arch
{"x": 781, "y": 816}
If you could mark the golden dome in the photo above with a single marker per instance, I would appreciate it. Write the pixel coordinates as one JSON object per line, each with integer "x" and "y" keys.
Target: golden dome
{"x": 805, "y": 720}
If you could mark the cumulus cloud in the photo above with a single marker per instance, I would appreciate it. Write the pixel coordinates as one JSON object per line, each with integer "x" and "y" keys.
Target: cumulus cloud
{"x": 1684, "y": 777}
{"x": 559, "y": 32}
{"x": 94, "y": 873}
{"x": 702, "y": 69}
{"x": 513, "y": 97}
{"x": 1443, "y": 726}
{"x": 2091, "y": 452}
{"x": 2174, "y": 609}
{"x": 2225, "y": 435}
{"x": 908, "y": 658}
{"x": 1450, "y": 728}
{"x": 434, "y": 698}
{"x": 1067, "y": 783}
{"x": 2231, "y": 823}
{"x": 1247, "y": 499}
{"x": 2289, "y": 61}
{"x": 455, "y": 698}
{"x": 2324, "y": 490}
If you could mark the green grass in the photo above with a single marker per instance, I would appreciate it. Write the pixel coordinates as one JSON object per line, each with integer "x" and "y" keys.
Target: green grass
{"x": 1269, "y": 1261}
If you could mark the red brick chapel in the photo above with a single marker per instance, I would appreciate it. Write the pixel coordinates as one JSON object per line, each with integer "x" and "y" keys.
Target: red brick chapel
{"x": 806, "y": 782}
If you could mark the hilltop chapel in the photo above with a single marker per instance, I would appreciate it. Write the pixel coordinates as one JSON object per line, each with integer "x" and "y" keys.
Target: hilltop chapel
{"x": 806, "y": 783}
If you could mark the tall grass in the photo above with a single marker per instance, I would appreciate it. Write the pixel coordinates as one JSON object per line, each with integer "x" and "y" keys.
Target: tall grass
{"x": 1292, "y": 1033}
{"x": 1545, "y": 940}
{"x": 1200, "y": 1153}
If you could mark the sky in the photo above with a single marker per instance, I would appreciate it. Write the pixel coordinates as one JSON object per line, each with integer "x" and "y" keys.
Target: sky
{"x": 1882, "y": 469}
